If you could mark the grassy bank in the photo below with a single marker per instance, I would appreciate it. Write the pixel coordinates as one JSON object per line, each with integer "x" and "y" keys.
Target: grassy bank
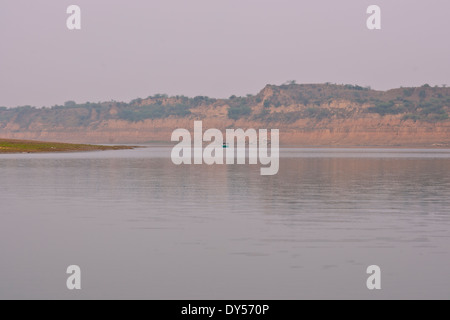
{"x": 22, "y": 146}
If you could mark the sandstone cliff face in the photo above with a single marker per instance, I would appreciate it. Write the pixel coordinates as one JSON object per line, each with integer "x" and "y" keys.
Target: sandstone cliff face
{"x": 387, "y": 131}
{"x": 334, "y": 120}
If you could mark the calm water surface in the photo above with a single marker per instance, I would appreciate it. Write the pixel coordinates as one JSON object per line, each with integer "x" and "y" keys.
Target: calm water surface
{"x": 141, "y": 227}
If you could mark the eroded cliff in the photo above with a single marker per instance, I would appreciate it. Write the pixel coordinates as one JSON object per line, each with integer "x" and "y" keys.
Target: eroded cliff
{"x": 306, "y": 115}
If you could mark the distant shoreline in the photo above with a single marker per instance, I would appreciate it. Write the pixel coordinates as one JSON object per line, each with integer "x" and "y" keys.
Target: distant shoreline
{"x": 307, "y": 115}
{"x": 8, "y": 146}
{"x": 12, "y": 146}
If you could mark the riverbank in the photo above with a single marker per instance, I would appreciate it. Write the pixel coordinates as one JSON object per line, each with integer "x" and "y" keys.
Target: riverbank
{"x": 25, "y": 146}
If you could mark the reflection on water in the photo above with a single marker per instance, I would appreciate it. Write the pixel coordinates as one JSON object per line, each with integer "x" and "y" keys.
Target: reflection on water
{"x": 141, "y": 227}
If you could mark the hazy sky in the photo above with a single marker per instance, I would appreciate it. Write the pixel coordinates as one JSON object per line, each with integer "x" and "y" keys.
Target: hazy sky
{"x": 136, "y": 48}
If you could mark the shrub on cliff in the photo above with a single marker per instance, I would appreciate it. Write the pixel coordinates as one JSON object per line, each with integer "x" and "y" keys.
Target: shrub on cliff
{"x": 385, "y": 108}
{"x": 318, "y": 113}
{"x": 155, "y": 111}
{"x": 408, "y": 92}
{"x": 237, "y": 112}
